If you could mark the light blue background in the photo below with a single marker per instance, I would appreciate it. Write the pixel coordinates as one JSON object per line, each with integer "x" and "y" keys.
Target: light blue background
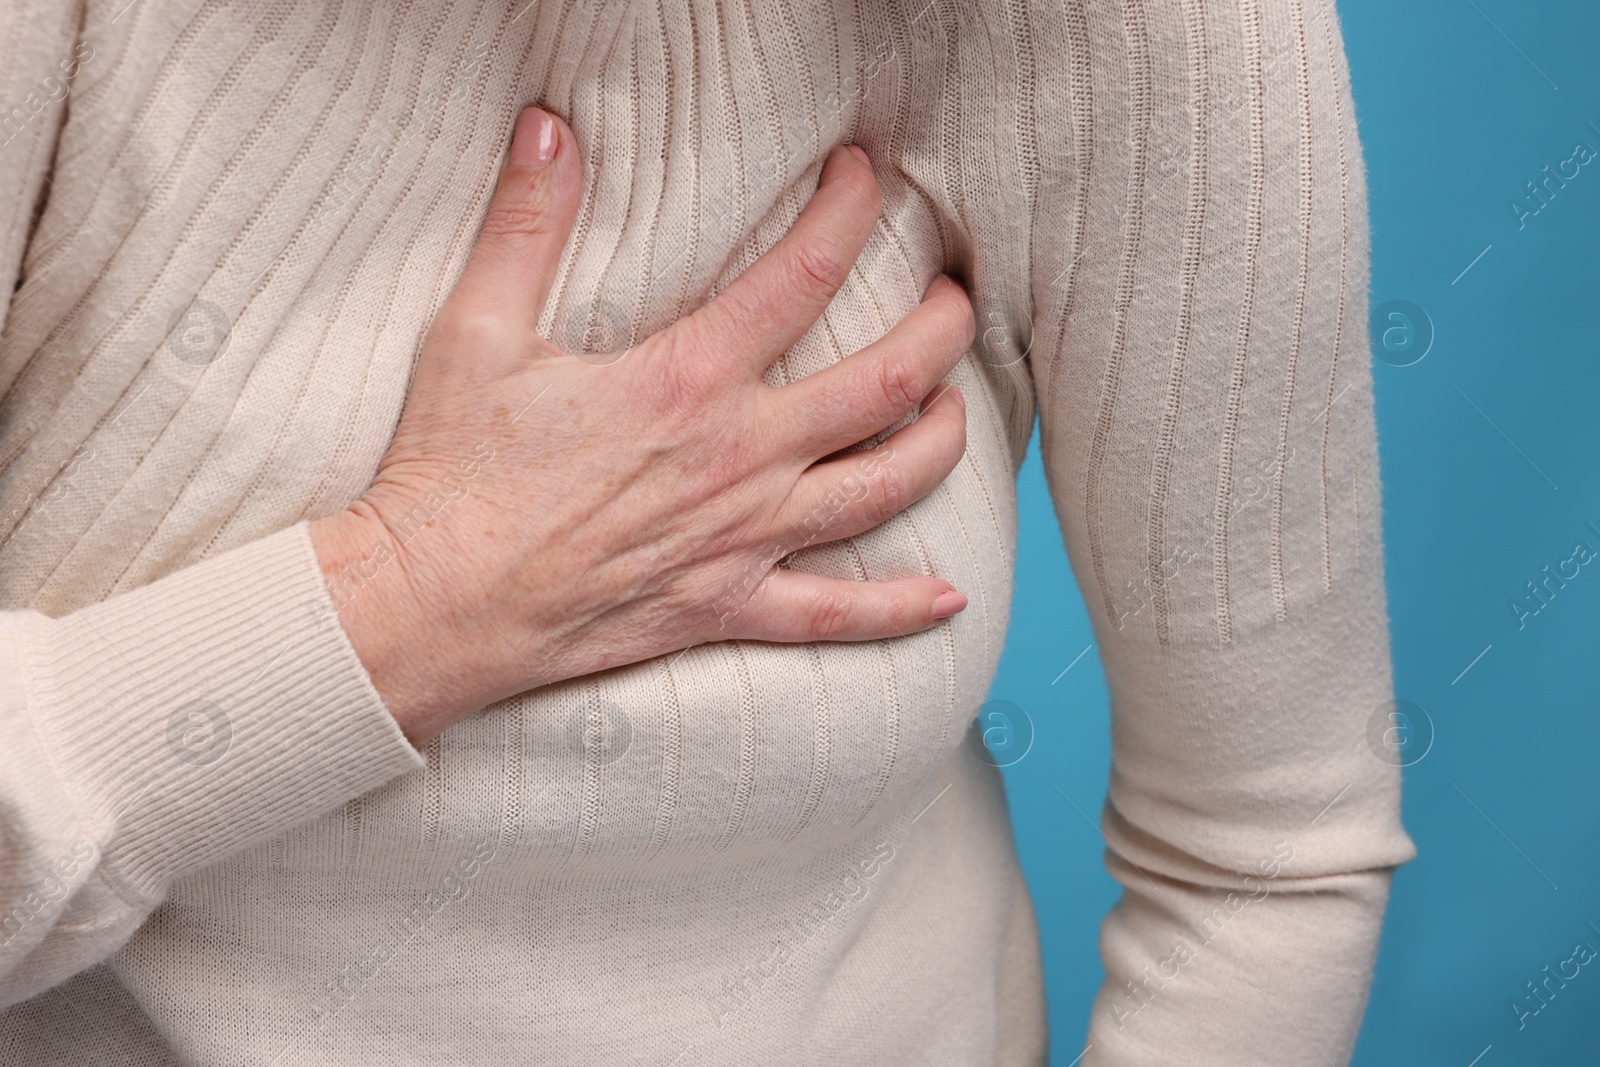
{"x": 1459, "y": 104}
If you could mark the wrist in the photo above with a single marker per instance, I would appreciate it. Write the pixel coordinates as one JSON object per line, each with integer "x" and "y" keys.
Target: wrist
{"x": 360, "y": 561}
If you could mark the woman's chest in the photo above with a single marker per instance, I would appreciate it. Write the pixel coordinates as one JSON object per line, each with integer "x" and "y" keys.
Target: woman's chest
{"x": 258, "y": 208}
{"x": 249, "y": 235}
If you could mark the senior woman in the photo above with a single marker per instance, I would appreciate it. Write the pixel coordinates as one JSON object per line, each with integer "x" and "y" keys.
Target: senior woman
{"x": 486, "y": 604}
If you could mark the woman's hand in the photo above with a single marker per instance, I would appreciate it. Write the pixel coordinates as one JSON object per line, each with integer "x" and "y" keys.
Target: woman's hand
{"x": 538, "y": 517}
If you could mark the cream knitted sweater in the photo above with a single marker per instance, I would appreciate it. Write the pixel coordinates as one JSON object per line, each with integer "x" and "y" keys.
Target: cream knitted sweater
{"x": 224, "y": 226}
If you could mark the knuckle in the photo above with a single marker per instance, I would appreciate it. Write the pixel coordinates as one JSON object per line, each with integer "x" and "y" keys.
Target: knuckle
{"x": 891, "y": 494}
{"x": 474, "y": 327}
{"x": 818, "y": 267}
{"x": 898, "y": 384}
{"x": 830, "y": 616}
{"x": 516, "y": 218}
{"x": 672, "y": 381}
{"x": 899, "y": 614}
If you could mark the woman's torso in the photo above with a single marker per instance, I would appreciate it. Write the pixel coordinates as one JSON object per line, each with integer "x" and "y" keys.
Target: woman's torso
{"x": 256, "y": 209}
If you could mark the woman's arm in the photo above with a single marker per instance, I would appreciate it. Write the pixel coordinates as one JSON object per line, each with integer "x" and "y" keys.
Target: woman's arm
{"x": 161, "y": 730}
{"x": 157, "y": 731}
{"x": 1199, "y": 348}
{"x": 598, "y": 516}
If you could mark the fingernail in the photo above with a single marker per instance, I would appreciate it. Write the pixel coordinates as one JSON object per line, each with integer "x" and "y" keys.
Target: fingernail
{"x": 960, "y": 398}
{"x": 533, "y": 143}
{"x": 859, "y": 152}
{"x": 947, "y": 604}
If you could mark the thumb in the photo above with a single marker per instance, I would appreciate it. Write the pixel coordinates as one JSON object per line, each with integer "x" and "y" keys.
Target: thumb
{"x": 509, "y": 273}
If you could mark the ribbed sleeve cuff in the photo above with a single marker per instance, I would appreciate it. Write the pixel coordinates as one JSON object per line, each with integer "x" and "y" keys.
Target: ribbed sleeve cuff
{"x": 210, "y": 710}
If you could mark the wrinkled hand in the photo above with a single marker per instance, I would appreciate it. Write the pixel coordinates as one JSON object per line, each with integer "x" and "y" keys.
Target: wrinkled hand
{"x": 539, "y": 517}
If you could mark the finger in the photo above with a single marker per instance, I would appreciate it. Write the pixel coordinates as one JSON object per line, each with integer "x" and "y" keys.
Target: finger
{"x": 772, "y": 304}
{"x": 877, "y": 386}
{"x": 507, "y": 278}
{"x": 792, "y": 606}
{"x": 852, "y": 494}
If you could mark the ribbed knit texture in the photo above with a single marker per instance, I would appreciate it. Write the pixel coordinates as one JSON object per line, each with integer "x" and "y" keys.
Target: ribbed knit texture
{"x": 227, "y": 240}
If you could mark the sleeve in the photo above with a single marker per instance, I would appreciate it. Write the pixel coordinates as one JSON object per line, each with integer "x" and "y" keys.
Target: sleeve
{"x": 159, "y": 731}
{"x": 149, "y": 735}
{"x": 1200, "y": 359}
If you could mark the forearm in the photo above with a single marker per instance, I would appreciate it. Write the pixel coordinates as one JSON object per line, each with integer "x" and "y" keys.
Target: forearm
{"x": 1236, "y": 977}
{"x": 161, "y": 730}
{"x": 1253, "y": 827}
